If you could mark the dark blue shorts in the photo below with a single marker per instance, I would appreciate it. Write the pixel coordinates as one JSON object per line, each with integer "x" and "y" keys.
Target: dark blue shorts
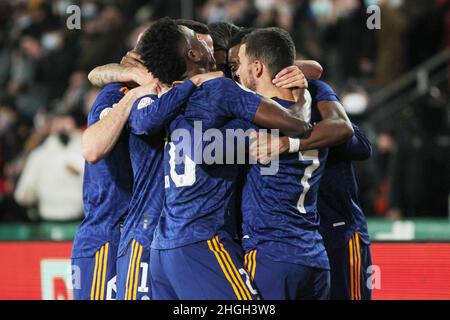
{"x": 133, "y": 273}
{"x": 207, "y": 270}
{"x": 349, "y": 271}
{"x": 94, "y": 278}
{"x": 286, "y": 281}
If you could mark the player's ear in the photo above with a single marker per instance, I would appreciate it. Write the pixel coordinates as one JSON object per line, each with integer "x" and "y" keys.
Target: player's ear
{"x": 194, "y": 55}
{"x": 258, "y": 68}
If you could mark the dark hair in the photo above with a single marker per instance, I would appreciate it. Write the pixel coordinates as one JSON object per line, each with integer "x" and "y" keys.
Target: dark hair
{"x": 273, "y": 46}
{"x": 221, "y": 33}
{"x": 237, "y": 38}
{"x": 160, "y": 47}
{"x": 198, "y": 27}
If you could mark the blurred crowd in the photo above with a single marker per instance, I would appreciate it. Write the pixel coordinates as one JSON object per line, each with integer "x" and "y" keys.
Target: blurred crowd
{"x": 45, "y": 95}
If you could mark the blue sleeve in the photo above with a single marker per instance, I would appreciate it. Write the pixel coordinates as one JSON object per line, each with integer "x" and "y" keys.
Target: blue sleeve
{"x": 237, "y": 101}
{"x": 105, "y": 101}
{"x": 206, "y": 144}
{"x": 149, "y": 114}
{"x": 321, "y": 91}
{"x": 357, "y": 148}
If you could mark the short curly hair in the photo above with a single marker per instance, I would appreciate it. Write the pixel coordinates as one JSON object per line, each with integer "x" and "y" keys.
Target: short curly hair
{"x": 237, "y": 38}
{"x": 198, "y": 27}
{"x": 160, "y": 47}
{"x": 221, "y": 33}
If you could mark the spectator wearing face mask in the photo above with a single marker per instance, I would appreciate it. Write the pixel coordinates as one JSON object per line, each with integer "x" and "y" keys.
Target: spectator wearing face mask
{"x": 52, "y": 176}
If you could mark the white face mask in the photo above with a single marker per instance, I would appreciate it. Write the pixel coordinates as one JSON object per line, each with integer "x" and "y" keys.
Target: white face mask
{"x": 24, "y": 22}
{"x": 50, "y": 41}
{"x": 263, "y": 5}
{"x": 60, "y": 7}
{"x": 322, "y": 8}
{"x": 355, "y": 103}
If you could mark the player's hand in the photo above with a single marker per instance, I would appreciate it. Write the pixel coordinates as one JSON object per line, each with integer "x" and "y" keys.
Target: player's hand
{"x": 135, "y": 69}
{"x": 266, "y": 147}
{"x": 141, "y": 76}
{"x": 290, "y": 77}
{"x": 151, "y": 88}
{"x": 132, "y": 59}
{"x": 163, "y": 88}
{"x": 201, "y": 78}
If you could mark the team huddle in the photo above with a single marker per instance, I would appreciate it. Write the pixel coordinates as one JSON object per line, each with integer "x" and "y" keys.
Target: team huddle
{"x": 163, "y": 223}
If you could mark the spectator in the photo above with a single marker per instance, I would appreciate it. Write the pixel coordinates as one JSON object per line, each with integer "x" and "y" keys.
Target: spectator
{"x": 103, "y": 40}
{"x": 353, "y": 41}
{"x": 52, "y": 177}
{"x": 420, "y": 183}
{"x": 392, "y": 42}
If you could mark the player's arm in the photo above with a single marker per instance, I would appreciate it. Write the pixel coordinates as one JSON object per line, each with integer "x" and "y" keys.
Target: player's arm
{"x": 151, "y": 113}
{"x": 271, "y": 115}
{"x": 357, "y": 148}
{"x": 101, "y": 137}
{"x": 295, "y": 76}
{"x": 130, "y": 70}
{"x": 310, "y": 68}
{"x": 334, "y": 128}
{"x": 238, "y": 102}
{"x": 114, "y": 72}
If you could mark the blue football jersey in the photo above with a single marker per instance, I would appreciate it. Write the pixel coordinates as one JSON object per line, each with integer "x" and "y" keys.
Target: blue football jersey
{"x": 106, "y": 184}
{"x": 146, "y": 154}
{"x": 146, "y": 145}
{"x": 199, "y": 197}
{"x": 280, "y": 216}
{"x": 340, "y": 212}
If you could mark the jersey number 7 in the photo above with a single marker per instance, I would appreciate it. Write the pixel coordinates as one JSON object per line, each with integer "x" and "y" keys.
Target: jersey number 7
{"x": 309, "y": 155}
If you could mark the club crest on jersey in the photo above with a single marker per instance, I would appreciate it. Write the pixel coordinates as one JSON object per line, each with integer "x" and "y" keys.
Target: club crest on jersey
{"x": 144, "y": 102}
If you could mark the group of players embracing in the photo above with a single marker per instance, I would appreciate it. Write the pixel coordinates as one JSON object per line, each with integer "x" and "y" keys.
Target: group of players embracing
{"x": 161, "y": 224}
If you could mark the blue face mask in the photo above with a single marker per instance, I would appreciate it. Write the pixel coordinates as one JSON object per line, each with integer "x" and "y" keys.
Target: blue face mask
{"x": 49, "y": 41}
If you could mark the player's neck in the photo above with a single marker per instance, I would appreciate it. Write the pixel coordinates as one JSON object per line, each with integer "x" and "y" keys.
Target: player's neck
{"x": 268, "y": 90}
{"x": 193, "y": 70}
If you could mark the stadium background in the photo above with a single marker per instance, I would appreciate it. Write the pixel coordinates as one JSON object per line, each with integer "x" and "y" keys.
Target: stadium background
{"x": 393, "y": 81}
